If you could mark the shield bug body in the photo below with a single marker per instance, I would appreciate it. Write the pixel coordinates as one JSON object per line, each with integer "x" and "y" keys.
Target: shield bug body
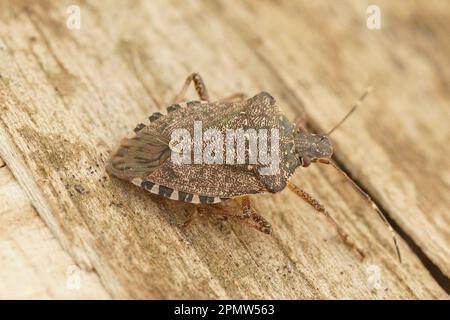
{"x": 145, "y": 157}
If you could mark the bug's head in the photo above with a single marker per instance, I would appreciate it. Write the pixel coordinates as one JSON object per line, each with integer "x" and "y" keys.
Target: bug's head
{"x": 310, "y": 147}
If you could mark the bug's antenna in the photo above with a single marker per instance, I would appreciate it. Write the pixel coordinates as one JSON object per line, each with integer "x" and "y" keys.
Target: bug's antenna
{"x": 371, "y": 202}
{"x": 356, "y": 105}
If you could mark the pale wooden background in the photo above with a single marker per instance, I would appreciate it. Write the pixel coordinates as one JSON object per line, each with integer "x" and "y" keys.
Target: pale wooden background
{"x": 68, "y": 96}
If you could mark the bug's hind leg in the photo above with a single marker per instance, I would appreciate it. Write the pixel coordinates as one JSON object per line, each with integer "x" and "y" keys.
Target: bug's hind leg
{"x": 245, "y": 215}
{"x": 191, "y": 214}
{"x": 321, "y": 209}
{"x": 199, "y": 87}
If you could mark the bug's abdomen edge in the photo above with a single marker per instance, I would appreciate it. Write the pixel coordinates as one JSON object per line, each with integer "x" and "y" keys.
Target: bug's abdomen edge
{"x": 174, "y": 194}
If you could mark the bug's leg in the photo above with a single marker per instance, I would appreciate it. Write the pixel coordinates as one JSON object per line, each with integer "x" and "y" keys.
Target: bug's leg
{"x": 370, "y": 201}
{"x": 190, "y": 217}
{"x": 251, "y": 218}
{"x": 199, "y": 87}
{"x": 300, "y": 123}
{"x": 239, "y": 96}
{"x": 321, "y": 209}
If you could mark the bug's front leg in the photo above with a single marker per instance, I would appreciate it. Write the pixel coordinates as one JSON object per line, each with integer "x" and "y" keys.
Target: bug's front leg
{"x": 199, "y": 87}
{"x": 300, "y": 123}
{"x": 321, "y": 209}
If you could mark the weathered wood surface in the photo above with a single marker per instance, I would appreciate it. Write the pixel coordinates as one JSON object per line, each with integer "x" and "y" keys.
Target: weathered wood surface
{"x": 32, "y": 262}
{"x": 68, "y": 96}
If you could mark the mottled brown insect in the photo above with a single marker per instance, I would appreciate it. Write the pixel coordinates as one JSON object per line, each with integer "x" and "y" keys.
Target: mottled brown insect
{"x": 144, "y": 158}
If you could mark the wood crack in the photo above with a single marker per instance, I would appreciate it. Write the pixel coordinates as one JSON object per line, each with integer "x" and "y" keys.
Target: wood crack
{"x": 437, "y": 274}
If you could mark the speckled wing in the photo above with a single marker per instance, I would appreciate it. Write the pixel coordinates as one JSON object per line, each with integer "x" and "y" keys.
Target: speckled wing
{"x": 139, "y": 155}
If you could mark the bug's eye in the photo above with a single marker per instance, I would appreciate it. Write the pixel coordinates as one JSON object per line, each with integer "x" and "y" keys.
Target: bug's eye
{"x": 306, "y": 161}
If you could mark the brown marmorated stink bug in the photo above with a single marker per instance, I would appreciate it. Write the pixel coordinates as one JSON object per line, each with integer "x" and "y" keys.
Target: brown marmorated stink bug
{"x": 147, "y": 157}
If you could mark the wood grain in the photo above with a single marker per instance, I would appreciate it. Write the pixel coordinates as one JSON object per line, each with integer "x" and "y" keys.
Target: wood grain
{"x": 33, "y": 263}
{"x": 68, "y": 96}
